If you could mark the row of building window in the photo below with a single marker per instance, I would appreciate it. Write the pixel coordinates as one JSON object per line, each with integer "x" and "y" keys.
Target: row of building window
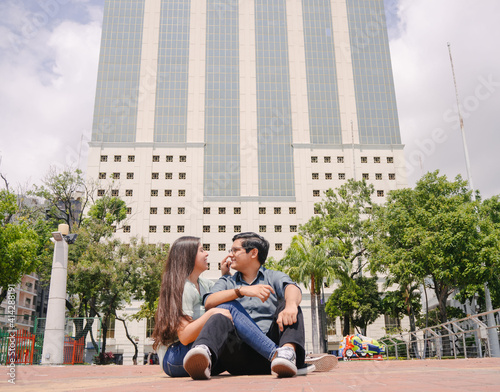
{"x": 221, "y": 229}
{"x": 222, "y": 210}
{"x": 327, "y": 159}
{"x": 317, "y": 193}
{"x": 366, "y": 176}
{"x": 130, "y": 176}
{"x": 156, "y": 158}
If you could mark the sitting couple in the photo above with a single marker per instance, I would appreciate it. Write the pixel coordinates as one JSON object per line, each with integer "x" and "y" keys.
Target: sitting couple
{"x": 248, "y": 323}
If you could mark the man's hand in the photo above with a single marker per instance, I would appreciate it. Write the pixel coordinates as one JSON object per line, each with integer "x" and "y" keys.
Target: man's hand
{"x": 287, "y": 316}
{"x": 261, "y": 291}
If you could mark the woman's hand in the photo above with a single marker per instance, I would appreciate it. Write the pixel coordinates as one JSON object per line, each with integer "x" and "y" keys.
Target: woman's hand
{"x": 225, "y": 266}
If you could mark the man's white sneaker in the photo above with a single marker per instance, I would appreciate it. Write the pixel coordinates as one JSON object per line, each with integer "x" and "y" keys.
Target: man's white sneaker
{"x": 283, "y": 363}
{"x": 197, "y": 362}
{"x": 323, "y": 363}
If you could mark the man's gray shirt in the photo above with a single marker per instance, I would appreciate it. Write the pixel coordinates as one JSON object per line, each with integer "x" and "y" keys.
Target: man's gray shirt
{"x": 261, "y": 312}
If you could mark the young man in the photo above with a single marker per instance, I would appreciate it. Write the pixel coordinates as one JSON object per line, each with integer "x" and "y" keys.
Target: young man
{"x": 271, "y": 299}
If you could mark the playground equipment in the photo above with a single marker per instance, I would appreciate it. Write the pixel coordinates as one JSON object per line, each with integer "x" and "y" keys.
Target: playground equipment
{"x": 361, "y": 347}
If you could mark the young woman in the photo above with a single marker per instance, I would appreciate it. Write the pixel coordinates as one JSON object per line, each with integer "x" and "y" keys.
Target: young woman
{"x": 181, "y": 316}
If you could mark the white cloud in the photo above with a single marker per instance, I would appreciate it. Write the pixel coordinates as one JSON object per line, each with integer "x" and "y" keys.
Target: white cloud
{"x": 425, "y": 92}
{"x": 47, "y": 93}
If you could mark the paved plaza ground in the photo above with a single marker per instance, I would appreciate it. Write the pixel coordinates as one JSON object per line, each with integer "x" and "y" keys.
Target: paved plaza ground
{"x": 407, "y": 376}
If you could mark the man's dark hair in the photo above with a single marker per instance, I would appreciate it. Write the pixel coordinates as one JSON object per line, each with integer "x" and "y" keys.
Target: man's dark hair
{"x": 254, "y": 241}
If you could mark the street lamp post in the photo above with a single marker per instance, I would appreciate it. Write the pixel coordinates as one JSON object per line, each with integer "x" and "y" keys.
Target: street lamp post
{"x": 53, "y": 342}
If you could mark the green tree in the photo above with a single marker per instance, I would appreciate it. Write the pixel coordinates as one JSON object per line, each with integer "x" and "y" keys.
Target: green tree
{"x": 359, "y": 301}
{"x": 311, "y": 265}
{"x": 345, "y": 216}
{"x": 19, "y": 244}
{"x": 431, "y": 232}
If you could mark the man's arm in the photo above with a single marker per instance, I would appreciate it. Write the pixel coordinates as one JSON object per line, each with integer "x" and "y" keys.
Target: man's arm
{"x": 261, "y": 291}
{"x": 293, "y": 297}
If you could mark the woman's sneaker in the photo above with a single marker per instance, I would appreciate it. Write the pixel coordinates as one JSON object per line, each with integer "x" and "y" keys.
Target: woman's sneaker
{"x": 283, "y": 363}
{"x": 323, "y": 363}
{"x": 197, "y": 362}
{"x": 308, "y": 368}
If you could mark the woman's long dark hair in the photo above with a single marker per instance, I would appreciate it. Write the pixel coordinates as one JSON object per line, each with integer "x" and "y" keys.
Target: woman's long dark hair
{"x": 179, "y": 265}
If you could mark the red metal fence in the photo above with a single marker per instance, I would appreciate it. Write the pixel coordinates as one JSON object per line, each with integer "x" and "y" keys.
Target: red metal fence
{"x": 17, "y": 347}
{"x": 74, "y": 350}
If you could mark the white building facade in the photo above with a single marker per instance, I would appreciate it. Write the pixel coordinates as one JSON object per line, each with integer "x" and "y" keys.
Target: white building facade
{"x": 219, "y": 117}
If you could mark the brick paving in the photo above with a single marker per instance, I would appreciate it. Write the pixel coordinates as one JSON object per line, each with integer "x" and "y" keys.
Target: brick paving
{"x": 408, "y": 376}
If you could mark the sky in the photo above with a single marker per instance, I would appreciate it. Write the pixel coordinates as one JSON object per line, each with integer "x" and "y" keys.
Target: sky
{"x": 49, "y": 53}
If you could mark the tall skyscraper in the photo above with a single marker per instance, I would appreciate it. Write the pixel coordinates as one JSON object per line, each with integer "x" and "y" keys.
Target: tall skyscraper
{"x": 214, "y": 117}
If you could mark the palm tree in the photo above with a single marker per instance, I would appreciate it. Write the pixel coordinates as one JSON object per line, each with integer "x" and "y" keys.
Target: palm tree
{"x": 311, "y": 264}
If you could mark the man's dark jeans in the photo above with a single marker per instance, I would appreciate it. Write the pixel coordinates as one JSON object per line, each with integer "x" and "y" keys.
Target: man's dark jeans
{"x": 230, "y": 353}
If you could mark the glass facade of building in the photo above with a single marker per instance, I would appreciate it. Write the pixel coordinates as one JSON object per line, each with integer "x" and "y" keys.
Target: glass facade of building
{"x": 274, "y": 121}
{"x": 222, "y": 100}
{"x": 173, "y": 72}
{"x": 322, "y": 89}
{"x": 115, "y": 111}
{"x": 373, "y": 82}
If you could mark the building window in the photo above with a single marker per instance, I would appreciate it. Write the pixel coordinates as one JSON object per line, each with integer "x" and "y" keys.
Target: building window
{"x": 115, "y": 192}
{"x": 180, "y": 229}
{"x": 328, "y": 176}
{"x": 237, "y": 229}
{"x": 364, "y": 159}
{"x": 182, "y": 176}
{"x": 167, "y": 210}
{"x": 110, "y": 333}
{"x": 316, "y": 193}
{"x": 156, "y": 158}
{"x": 341, "y": 176}
{"x": 100, "y": 192}
{"x": 153, "y": 210}
{"x": 328, "y": 159}
{"x": 182, "y": 158}
{"x": 222, "y": 210}
{"x": 293, "y": 228}
{"x": 262, "y": 210}
{"x": 222, "y": 229}
{"x": 118, "y": 158}
{"x": 392, "y": 176}
{"x": 206, "y": 247}
{"x": 262, "y": 229}
{"x": 169, "y": 158}
{"x": 181, "y": 193}
{"x": 278, "y": 246}
{"x": 378, "y": 176}
{"x": 315, "y": 176}
{"x": 168, "y": 176}
{"x": 181, "y": 210}
{"x": 130, "y": 176}
{"x": 126, "y": 229}
{"x": 104, "y": 158}
{"x": 340, "y": 159}
{"x": 390, "y": 159}
{"x": 277, "y": 210}
{"x": 155, "y": 176}
{"x": 116, "y": 176}
{"x": 368, "y": 210}
{"x": 129, "y": 192}
{"x": 316, "y": 210}
{"x": 154, "y": 192}
{"x": 222, "y": 247}
{"x": 131, "y": 158}
{"x": 166, "y": 229}
{"x": 206, "y": 210}
{"x": 314, "y": 159}
{"x": 366, "y": 176}
{"x": 129, "y": 210}
{"x": 380, "y": 193}
{"x": 168, "y": 192}
{"x": 152, "y": 229}
{"x": 292, "y": 210}
{"x": 277, "y": 229}
{"x": 237, "y": 210}
{"x": 206, "y": 229}
{"x": 376, "y": 159}
{"x": 102, "y": 176}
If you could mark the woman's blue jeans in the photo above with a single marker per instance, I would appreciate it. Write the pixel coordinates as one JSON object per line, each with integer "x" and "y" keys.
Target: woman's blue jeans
{"x": 247, "y": 330}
